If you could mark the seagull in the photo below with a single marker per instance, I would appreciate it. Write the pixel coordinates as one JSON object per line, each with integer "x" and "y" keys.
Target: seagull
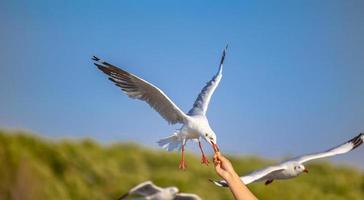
{"x": 294, "y": 167}
{"x": 152, "y": 192}
{"x": 195, "y": 125}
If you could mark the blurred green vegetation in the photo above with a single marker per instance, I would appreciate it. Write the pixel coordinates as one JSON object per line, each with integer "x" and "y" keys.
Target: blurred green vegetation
{"x": 32, "y": 167}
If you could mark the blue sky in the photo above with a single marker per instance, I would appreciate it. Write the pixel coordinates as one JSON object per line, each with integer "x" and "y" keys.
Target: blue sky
{"x": 292, "y": 84}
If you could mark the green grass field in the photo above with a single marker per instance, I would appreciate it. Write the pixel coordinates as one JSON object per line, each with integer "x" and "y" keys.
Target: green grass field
{"x": 32, "y": 167}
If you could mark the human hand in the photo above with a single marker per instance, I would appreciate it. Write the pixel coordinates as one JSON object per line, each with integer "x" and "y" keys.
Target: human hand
{"x": 224, "y": 168}
{"x": 226, "y": 171}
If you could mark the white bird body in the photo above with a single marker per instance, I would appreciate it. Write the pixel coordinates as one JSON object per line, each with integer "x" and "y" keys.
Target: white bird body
{"x": 194, "y": 124}
{"x": 294, "y": 167}
{"x": 195, "y": 127}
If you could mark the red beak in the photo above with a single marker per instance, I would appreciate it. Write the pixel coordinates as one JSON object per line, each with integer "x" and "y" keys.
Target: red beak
{"x": 305, "y": 170}
{"x": 214, "y": 146}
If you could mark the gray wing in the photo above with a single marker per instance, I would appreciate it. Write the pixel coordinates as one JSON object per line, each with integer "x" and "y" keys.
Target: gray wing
{"x": 138, "y": 88}
{"x": 341, "y": 149}
{"x": 185, "y": 196}
{"x": 254, "y": 176}
{"x": 145, "y": 189}
{"x": 202, "y": 102}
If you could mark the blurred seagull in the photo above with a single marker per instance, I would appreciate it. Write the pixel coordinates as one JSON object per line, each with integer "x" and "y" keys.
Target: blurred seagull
{"x": 195, "y": 123}
{"x": 153, "y": 192}
{"x": 294, "y": 167}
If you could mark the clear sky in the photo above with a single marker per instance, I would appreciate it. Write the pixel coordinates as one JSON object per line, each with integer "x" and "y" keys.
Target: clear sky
{"x": 293, "y": 77}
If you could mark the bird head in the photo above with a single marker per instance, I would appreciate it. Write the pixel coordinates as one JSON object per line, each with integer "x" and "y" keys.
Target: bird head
{"x": 300, "y": 168}
{"x": 173, "y": 190}
{"x": 210, "y": 137}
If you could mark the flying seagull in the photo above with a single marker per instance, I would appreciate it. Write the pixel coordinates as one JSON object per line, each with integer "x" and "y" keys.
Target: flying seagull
{"x": 195, "y": 124}
{"x": 152, "y": 192}
{"x": 294, "y": 167}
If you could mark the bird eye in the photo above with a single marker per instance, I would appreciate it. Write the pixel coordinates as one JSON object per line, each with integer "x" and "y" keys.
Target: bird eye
{"x": 206, "y": 134}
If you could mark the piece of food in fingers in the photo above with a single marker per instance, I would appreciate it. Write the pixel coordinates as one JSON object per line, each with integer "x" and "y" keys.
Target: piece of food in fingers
{"x": 216, "y": 158}
{"x": 214, "y": 146}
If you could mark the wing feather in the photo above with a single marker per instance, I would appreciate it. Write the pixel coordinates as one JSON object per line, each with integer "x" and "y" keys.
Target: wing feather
{"x": 202, "y": 102}
{"x": 138, "y": 88}
{"x": 144, "y": 189}
{"x": 254, "y": 176}
{"x": 341, "y": 149}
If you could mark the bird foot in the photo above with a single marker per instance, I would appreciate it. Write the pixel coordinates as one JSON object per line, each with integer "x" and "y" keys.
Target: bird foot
{"x": 204, "y": 160}
{"x": 182, "y": 165}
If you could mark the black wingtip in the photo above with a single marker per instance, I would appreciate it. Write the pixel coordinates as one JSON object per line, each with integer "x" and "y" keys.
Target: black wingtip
{"x": 106, "y": 63}
{"x": 223, "y": 55}
{"x": 95, "y": 58}
{"x": 358, "y": 140}
{"x": 102, "y": 68}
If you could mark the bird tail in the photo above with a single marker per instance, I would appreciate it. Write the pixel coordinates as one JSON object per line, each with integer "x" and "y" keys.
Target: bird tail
{"x": 170, "y": 143}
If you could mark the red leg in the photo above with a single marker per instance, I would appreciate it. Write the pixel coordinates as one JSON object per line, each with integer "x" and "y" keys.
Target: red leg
{"x": 182, "y": 164}
{"x": 204, "y": 160}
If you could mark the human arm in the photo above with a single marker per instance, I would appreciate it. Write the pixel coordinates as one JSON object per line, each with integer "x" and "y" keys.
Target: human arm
{"x": 226, "y": 171}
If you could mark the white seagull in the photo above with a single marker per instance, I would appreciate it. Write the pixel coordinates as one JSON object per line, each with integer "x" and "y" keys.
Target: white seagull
{"x": 195, "y": 124}
{"x": 149, "y": 191}
{"x": 294, "y": 167}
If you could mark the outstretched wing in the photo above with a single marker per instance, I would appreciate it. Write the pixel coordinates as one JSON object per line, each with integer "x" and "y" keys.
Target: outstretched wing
{"x": 262, "y": 174}
{"x": 138, "y": 88}
{"x": 341, "y": 149}
{"x": 145, "y": 189}
{"x": 254, "y": 176}
{"x": 202, "y": 102}
{"x": 185, "y": 196}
